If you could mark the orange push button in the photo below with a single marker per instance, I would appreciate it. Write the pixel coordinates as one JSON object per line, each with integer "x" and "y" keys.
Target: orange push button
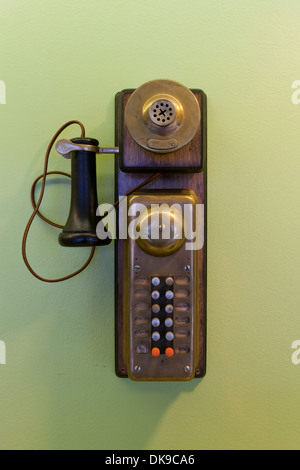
{"x": 155, "y": 352}
{"x": 170, "y": 352}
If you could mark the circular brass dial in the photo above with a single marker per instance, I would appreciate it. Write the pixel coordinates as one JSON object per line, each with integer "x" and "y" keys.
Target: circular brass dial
{"x": 162, "y": 116}
{"x": 161, "y": 231}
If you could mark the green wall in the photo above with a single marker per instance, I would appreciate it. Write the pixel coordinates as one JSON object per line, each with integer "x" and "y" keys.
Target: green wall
{"x": 67, "y": 60}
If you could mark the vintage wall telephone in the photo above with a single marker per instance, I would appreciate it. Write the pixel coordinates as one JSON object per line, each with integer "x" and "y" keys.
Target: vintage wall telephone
{"x": 160, "y": 271}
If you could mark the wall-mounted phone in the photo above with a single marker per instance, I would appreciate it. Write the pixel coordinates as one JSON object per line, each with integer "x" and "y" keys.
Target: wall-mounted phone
{"x": 160, "y": 271}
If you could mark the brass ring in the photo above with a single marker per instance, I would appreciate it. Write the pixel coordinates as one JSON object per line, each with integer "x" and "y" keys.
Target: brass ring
{"x": 162, "y": 116}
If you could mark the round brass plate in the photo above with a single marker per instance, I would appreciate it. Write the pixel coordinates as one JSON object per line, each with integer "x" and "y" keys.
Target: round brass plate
{"x": 161, "y": 231}
{"x": 162, "y": 116}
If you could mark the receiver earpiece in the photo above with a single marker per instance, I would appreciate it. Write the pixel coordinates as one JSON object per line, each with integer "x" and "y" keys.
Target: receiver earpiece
{"x": 80, "y": 229}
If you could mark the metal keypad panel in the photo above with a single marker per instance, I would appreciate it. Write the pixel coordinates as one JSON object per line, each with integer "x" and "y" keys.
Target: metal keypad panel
{"x": 162, "y": 321}
{"x": 161, "y": 315}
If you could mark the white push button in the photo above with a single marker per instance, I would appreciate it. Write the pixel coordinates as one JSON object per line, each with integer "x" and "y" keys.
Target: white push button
{"x": 169, "y": 295}
{"x": 169, "y": 308}
{"x": 155, "y": 281}
{"x": 155, "y": 295}
{"x": 169, "y": 281}
{"x": 156, "y": 336}
{"x": 169, "y": 336}
{"x": 168, "y": 322}
{"x": 155, "y": 308}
